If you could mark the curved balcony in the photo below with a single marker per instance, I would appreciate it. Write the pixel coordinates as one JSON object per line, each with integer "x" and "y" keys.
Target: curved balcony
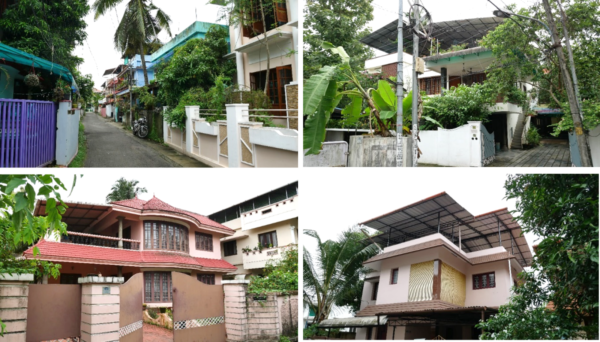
{"x": 99, "y": 240}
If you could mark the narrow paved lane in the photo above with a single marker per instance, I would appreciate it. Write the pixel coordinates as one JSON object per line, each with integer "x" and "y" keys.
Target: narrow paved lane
{"x": 551, "y": 153}
{"x": 110, "y": 146}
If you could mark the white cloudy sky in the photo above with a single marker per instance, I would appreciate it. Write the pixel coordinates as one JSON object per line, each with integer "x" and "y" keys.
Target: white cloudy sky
{"x": 386, "y": 11}
{"x": 99, "y": 52}
{"x": 200, "y": 191}
{"x": 331, "y": 203}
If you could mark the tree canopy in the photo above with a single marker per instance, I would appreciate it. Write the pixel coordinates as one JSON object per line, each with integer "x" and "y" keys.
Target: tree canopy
{"x": 562, "y": 210}
{"x": 47, "y": 29}
{"x": 196, "y": 64}
{"x": 341, "y": 23}
{"x": 124, "y": 189}
{"x": 334, "y": 277}
{"x": 522, "y": 51}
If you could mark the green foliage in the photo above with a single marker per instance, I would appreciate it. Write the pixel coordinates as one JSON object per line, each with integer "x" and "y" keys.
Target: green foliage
{"x": 197, "y": 64}
{"x": 454, "y": 48}
{"x": 335, "y": 276}
{"x": 278, "y": 276}
{"x": 147, "y": 99}
{"x": 79, "y": 159}
{"x": 152, "y": 313}
{"x": 20, "y": 229}
{"x": 60, "y": 89}
{"x": 459, "y": 105}
{"x": 124, "y": 189}
{"x": 533, "y": 136}
{"x": 310, "y": 332}
{"x": 47, "y": 29}
{"x": 561, "y": 209}
{"x": 86, "y": 88}
{"x": 342, "y": 23}
{"x": 284, "y": 339}
{"x": 591, "y": 117}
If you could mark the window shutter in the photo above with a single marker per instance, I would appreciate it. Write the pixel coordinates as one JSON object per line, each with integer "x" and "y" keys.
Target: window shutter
{"x": 281, "y": 13}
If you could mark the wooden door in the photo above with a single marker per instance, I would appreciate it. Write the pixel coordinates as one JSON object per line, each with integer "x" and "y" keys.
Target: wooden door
{"x": 454, "y": 81}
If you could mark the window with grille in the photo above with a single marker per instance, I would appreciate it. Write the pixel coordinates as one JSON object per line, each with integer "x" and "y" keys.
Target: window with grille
{"x": 165, "y": 236}
{"x": 484, "y": 281}
{"x": 157, "y": 287}
{"x": 275, "y": 16}
{"x": 268, "y": 240}
{"x": 204, "y": 242}
{"x": 230, "y": 248}
{"x": 208, "y": 279}
{"x": 278, "y": 78}
{"x": 432, "y": 86}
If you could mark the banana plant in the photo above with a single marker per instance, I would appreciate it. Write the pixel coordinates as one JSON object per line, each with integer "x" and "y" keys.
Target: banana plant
{"x": 322, "y": 93}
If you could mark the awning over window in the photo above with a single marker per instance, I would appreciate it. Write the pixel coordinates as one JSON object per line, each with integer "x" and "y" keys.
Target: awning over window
{"x": 353, "y": 322}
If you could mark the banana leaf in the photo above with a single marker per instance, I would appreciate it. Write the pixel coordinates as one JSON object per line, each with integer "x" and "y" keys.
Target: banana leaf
{"x": 315, "y": 88}
{"x": 314, "y": 129}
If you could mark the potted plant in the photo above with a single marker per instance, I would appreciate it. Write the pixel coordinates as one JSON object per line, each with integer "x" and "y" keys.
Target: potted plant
{"x": 246, "y": 250}
{"x": 62, "y": 90}
{"x": 254, "y": 250}
{"x": 32, "y": 80}
{"x": 260, "y": 247}
{"x": 270, "y": 245}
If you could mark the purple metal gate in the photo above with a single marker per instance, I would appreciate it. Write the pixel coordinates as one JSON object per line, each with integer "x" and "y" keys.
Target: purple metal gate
{"x": 27, "y": 133}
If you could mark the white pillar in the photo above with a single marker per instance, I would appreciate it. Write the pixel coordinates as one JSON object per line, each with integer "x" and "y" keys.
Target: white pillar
{"x": 191, "y": 113}
{"x": 239, "y": 57}
{"x": 165, "y": 126}
{"x": 120, "y": 243}
{"x": 293, "y": 229}
{"x": 476, "y": 143}
{"x": 235, "y": 113}
{"x": 297, "y": 48}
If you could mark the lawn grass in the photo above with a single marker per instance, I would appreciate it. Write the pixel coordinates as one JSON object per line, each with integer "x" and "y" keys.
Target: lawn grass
{"x": 82, "y": 149}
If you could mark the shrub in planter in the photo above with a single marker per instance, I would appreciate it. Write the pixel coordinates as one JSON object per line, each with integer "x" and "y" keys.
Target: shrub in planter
{"x": 61, "y": 90}
{"x": 533, "y": 137}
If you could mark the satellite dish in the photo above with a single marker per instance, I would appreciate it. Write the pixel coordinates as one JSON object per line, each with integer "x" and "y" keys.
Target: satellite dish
{"x": 420, "y": 21}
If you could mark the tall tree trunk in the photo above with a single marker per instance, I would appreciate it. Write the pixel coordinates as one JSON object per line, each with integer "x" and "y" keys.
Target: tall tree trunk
{"x": 144, "y": 63}
{"x": 264, "y": 22}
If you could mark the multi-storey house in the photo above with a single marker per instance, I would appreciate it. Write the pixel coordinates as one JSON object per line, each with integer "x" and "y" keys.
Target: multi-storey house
{"x": 440, "y": 271}
{"x": 132, "y": 236}
{"x": 266, "y": 224}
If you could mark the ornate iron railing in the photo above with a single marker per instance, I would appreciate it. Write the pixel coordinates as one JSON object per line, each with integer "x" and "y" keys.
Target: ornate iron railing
{"x": 574, "y": 150}
{"x": 488, "y": 146}
{"x": 99, "y": 240}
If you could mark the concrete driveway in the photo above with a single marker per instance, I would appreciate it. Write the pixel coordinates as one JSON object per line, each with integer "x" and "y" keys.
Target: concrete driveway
{"x": 551, "y": 153}
{"x": 109, "y": 145}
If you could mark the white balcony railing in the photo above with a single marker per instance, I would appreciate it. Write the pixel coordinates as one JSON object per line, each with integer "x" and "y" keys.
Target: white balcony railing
{"x": 256, "y": 259}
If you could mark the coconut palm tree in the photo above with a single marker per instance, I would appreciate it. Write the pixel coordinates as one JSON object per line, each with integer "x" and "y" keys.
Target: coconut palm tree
{"x": 335, "y": 276}
{"x": 124, "y": 189}
{"x": 137, "y": 27}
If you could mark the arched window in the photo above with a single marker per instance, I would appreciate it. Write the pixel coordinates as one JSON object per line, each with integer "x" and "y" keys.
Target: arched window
{"x": 165, "y": 236}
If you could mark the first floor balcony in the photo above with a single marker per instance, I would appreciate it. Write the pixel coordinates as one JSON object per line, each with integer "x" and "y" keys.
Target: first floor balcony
{"x": 259, "y": 259}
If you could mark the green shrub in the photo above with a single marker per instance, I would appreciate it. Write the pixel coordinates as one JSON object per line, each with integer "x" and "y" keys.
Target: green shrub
{"x": 310, "y": 332}
{"x": 279, "y": 276}
{"x": 533, "y": 137}
{"x": 152, "y": 313}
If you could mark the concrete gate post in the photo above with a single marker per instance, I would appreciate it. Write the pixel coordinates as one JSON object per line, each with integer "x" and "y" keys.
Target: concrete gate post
{"x": 14, "y": 292}
{"x": 100, "y": 306}
{"x": 236, "y": 314}
{"x": 192, "y": 114}
{"x": 235, "y": 114}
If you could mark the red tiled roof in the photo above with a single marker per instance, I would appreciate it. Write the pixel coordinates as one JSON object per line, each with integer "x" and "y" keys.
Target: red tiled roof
{"x": 58, "y": 251}
{"x": 157, "y": 204}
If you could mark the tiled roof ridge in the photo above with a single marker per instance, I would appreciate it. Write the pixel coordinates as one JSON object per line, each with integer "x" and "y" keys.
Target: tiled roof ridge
{"x": 156, "y": 203}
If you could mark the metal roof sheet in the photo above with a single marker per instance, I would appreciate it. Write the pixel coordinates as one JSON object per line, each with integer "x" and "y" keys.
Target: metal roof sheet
{"x": 351, "y": 322}
{"x": 477, "y": 232}
{"x": 448, "y": 33}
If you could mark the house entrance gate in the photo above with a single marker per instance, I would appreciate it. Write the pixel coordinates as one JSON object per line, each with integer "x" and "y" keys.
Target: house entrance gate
{"x": 198, "y": 310}
{"x": 131, "y": 310}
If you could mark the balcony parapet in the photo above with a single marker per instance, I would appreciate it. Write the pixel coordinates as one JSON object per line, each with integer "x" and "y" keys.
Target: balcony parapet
{"x": 99, "y": 241}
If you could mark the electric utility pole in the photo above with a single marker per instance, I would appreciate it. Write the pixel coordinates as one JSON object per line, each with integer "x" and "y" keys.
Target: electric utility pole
{"x": 582, "y": 141}
{"x": 399, "y": 90}
{"x": 415, "y": 88}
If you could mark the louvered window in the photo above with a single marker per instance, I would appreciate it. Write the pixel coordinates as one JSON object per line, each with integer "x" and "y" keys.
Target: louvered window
{"x": 204, "y": 242}
{"x": 165, "y": 236}
{"x": 157, "y": 287}
{"x": 208, "y": 279}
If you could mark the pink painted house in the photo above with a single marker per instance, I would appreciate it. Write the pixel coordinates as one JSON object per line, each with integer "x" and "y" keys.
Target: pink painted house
{"x": 132, "y": 236}
{"x": 440, "y": 271}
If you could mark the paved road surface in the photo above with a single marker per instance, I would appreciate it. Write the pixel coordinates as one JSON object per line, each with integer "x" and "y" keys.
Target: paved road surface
{"x": 153, "y": 333}
{"x": 110, "y": 146}
{"x": 551, "y": 153}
